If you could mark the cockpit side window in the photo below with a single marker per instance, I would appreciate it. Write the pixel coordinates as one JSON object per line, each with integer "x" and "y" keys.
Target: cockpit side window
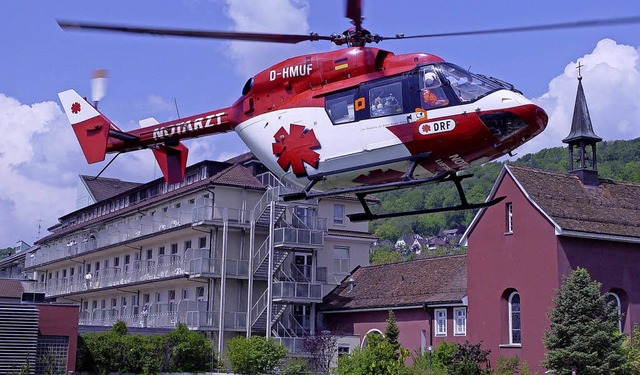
{"x": 467, "y": 86}
{"x": 431, "y": 92}
{"x": 340, "y": 108}
{"x": 386, "y": 100}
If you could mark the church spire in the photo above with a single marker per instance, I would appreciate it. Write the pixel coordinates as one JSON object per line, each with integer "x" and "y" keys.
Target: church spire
{"x": 581, "y": 136}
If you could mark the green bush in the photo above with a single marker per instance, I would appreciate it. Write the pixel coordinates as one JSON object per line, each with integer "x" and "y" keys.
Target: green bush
{"x": 117, "y": 351}
{"x": 377, "y": 357}
{"x": 254, "y": 355}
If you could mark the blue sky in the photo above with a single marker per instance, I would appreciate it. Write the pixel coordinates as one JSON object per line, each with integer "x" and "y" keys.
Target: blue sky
{"x": 40, "y": 160}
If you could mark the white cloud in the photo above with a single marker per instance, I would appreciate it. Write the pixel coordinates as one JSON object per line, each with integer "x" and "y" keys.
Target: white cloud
{"x": 611, "y": 76}
{"x": 38, "y": 173}
{"x": 277, "y": 16}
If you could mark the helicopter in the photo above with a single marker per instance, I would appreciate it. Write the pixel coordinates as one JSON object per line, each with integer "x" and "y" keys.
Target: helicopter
{"x": 358, "y": 120}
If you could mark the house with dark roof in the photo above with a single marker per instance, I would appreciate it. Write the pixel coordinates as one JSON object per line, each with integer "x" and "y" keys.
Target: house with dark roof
{"x": 428, "y": 297}
{"x": 548, "y": 225}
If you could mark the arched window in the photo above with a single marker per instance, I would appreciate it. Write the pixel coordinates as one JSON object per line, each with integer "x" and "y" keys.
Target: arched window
{"x": 369, "y": 334}
{"x": 515, "y": 329}
{"x": 613, "y": 298}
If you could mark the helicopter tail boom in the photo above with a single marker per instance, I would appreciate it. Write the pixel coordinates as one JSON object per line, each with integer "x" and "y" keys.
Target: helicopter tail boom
{"x": 98, "y": 136}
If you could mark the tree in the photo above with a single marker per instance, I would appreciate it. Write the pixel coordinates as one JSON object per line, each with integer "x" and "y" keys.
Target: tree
{"x": 320, "y": 348}
{"x": 584, "y": 333}
{"x": 190, "y": 350}
{"x": 377, "y": 357}
{"x": 632, "y": 347}
{"x": 385, "y": 255}
{"x": 392, "y": 332}
{"x": 254, "y": 355}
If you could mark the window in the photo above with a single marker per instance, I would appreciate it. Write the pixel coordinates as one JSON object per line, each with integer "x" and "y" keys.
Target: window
{"x": 200, "y": 293}
{"x": 614, "y": 300}
{"x": 185, "y": 294}
{"x": 341, "y": 260}
{"x": 386, "y": 100}
{"x": 460, "y": 326}
{"x": 338, "y": 214}
{"x": 202, "y": 242}
{"x": 509, "y": 217}
{"x": 187, "y": 245}
{"x": 340, "y": 107}
{"x": 423, "y": 342}
{"x": 432, "y": 93}
{"x": 343, "y": 350}
{"x": 515, "y": 334}
{"x": 149, "y": 254}
{"x": 174, "y": 248}
{"x": 440, "y": 317}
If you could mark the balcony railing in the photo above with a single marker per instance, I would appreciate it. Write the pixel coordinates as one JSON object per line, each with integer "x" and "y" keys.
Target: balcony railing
{"x": 297, "y": 291}
{"x": 235, "y": 268}
{"x": 293, "y": 344}
{"x": 165, "y": 315}
{"x": 235, "y": 321}
{"x": 134, "y": 228}
{"x": 297, "y": 237}
{"x": 164, "y": 267}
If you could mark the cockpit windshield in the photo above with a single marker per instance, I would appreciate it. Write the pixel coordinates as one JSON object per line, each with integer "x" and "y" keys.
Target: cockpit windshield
{"x": 466, "y": 86}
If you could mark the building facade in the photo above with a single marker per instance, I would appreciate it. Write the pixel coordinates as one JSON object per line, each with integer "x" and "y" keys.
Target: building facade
{"x": 520, "y": 250}
{"x": 35, "y": 337}
{"x": 428, "y": 297}
{"x": 219, "y": 252}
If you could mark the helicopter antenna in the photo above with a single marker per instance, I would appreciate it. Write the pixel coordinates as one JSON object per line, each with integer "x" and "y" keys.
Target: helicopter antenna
{"x": 175, "y": 102}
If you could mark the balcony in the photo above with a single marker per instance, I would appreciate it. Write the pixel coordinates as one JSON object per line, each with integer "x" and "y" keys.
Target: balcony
{"x": 167, "y": 266}
{"x": 298, "y": 237}
{"x": 212, "y": 267}
{"x": 212, "y": 214}
{"x": 203, "y": 320}
{"x": 134, "y": 228}
{"x": 302, "y": 292}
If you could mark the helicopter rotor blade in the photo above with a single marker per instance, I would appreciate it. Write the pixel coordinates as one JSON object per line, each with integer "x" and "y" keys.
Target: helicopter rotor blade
{"x": 354, "y": 12}
{"x": 553, "y": 26}
{"x": 229, "y": 35}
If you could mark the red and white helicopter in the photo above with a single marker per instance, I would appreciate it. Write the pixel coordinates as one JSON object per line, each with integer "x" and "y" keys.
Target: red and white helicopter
{"x": 357, "y": 120}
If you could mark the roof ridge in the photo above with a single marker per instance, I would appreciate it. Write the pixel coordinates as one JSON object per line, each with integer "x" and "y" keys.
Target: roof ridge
{"x": 414, "y": 260}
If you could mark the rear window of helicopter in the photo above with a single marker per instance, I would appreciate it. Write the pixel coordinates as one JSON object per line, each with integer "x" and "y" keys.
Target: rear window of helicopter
{"x": 386, "y": 100}
{"x": 467, "y": 86}
{"x": 339, "y": 107}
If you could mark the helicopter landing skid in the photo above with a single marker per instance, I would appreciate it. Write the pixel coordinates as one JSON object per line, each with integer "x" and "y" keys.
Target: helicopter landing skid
{"x": 407, "y": 181}
{"x": 445, "y": 177}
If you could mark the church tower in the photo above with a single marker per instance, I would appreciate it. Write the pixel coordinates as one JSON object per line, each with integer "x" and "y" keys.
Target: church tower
{"x": 580, "y": 137}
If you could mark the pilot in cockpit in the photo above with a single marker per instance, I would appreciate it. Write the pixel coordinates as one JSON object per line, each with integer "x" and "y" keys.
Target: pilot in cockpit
{"x": 433, "y": 96}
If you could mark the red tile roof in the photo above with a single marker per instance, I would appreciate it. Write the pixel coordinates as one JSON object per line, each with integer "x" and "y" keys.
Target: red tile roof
{"x": 611, "y": 208}
{"x": 11, "y": 288}
{"x": 411, "y": 283}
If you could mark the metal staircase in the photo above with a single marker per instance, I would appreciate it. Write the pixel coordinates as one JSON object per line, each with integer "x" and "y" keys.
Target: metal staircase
{"x": 274, "y": 252}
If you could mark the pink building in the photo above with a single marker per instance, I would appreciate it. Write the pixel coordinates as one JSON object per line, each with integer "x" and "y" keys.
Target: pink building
{"x": 549, "y": 224}
{"x": 428, "y": 297}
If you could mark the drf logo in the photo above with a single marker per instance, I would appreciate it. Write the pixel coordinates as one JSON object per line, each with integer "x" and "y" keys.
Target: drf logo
{"x": 440, "y": 126}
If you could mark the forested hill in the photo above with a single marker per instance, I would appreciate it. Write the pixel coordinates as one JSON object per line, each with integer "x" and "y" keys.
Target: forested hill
{"x": 617, "y": 160}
